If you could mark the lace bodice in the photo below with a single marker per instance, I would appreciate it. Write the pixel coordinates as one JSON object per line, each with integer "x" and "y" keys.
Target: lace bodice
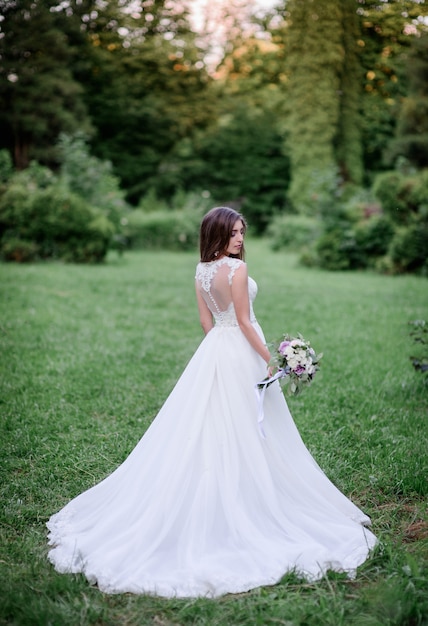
{"x": 214, "y": 281}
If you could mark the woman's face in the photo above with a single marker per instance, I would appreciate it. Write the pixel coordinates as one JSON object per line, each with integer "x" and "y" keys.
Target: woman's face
{"x": 236, "y": 238}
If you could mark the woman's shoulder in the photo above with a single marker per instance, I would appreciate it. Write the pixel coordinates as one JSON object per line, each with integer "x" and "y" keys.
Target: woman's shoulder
{"x": 209, "y": 268}
{"x": 232, "y": 262}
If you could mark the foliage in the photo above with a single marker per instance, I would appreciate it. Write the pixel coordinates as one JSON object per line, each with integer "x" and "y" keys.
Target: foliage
{"x": 348, "y": 138}
{"x": 51, "y": 223}
{"x": 39, "y": 96}
{"x": 79, "y": 216}
{"x": 19, "y": 250}
{"x": 388, "y": 188}
{"x": 411, "y": 139}
{"x": 292, "y": 232}
{"x": 388, "y": 30}
{"x": 405, "y": 199}
{"x": 85, "y": 374}
{"x": 6, "y": 166}
{"x": 162, "y": 230}
{"x": 324, "y": 127}
{"x": 320, "y": 88}
{"x": 35, "y": 176}
{"x": 311, "y": 129}
{"x": 391, "y": 237}
{"x": 337, "y": 250}
{"x": 239, "y": 159}
{"x": 347, "y": 244}
{"x": 147, "y": 97}
{"x": 409, "y": 248}
{"x": 419, "y": 334}
{"x": 373, "y": 236}
{"x": 90, "y": 178}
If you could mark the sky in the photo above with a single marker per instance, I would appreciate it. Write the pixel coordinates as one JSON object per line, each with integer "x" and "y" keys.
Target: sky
{"x": 199, "y": 7}
{"x": 207, "y": 18}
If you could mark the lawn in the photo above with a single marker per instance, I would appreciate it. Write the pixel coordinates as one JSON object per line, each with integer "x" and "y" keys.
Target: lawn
{"x": 88, "y": 356}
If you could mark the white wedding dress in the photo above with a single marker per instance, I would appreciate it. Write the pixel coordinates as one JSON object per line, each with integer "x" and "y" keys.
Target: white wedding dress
{"x": 203, "y": 505}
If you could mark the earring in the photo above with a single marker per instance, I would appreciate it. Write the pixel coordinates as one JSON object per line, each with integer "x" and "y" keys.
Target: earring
{"x": 216, "y": 253}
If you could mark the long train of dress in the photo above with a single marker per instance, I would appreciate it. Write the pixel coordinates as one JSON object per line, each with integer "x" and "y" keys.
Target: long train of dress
{"x": 203, "y": 505}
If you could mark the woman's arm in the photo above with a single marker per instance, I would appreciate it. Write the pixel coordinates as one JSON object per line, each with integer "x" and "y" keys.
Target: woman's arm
{"x": 205, "y": 315}
{"x": 242, "y": 309}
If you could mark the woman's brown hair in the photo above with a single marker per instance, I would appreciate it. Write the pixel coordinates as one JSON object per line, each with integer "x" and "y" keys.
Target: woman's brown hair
{"x": 216, "y": 231}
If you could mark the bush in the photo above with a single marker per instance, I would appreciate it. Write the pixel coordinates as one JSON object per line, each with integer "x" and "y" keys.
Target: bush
{"x": 419, "y": 334}
{"x": 168, "y": 230}
{"x": 387, "y": 187}
{"x": 90, "y": 178}
{"x": 373, "y": 236}
{"x": 6, "y": 166}
{"x": 150, "y": 203}
{"x": 391, "y": 238}
{"x": 18, "y": 250}
{"x": 418, "y": 195}
{"x": 293, "y": 231}
{"x": 51, "y": 223}
{"x": 402, "y": 196}
{"x": 337, "y": 250}
{"x": 409, "y": 248}
{"x": 35, "y": 176}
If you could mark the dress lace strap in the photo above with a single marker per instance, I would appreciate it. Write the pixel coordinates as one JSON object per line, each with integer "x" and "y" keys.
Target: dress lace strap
{"x": 205, "y": 272}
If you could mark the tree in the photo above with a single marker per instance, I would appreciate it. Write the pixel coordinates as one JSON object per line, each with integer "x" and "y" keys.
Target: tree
{"x": 348, "y": 139}
{"x": 315, "y": 66}
{"x": 127, "y": 74}
{"x": 239, "y": 157}
{"x": 39, "y": 96}
{"x": 387, "y": 30}
{"x": 145, "y": 91}
{"x": 412, "y": 125}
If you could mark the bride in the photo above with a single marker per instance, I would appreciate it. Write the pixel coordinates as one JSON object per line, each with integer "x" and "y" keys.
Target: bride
{"x": 203, "y": 505}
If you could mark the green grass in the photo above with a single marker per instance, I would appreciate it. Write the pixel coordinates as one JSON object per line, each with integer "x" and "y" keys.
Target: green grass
{"x": 89, "y": 354}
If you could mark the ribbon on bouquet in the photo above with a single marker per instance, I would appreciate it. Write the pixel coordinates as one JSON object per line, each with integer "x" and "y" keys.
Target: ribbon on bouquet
{"x": 260, "y": 393}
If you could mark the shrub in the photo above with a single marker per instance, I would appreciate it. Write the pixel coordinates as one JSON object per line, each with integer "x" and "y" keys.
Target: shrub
{"x": 18, "y": 250}
{"x": 373, "y": 236}
{"x": 6, "y": 166}
{"x": 418, "y": 196}
{"x": 392, "y": 238}
{"x": 293, "y": 231}
{"x": 409, "y": 248}
{"x": 388, "y": 189}
{"x": 89, "y": 177}
{"x": 337, "y": 250}
{"x": 402, "y": 197}
{"x": 93, "y": 180}
{"x": 419, "y": 334}
{"x": 150, "y": 202}
{"x": 35, "y": 176}
{"x": 354, "y": 246}
{"x": 14, "y": 207}
{"x": 51, "y": 223}
{"x": 171, "y": 230}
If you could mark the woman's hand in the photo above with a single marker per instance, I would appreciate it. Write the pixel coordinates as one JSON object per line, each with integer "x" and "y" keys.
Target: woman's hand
{"x": 270, "y": 370}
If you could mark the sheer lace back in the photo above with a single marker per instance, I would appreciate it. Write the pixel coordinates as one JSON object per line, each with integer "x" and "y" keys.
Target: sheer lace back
{"x": 214, "y": 281}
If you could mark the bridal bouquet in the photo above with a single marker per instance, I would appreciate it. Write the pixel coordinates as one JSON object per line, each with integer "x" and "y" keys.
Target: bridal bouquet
{"x": 295, "y": 362}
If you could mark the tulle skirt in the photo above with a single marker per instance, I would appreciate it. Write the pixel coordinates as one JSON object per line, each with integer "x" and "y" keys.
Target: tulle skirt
{"x": 203, "y": 505}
